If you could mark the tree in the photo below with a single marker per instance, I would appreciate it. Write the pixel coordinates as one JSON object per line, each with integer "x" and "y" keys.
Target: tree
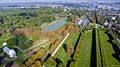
{"x": 69, "y": 19}
{"x": 69, "y": 49}
{"x": 73, "y": 19}
{"x": 54, "y": 46}
{"x": 1, "y": 20}
{"x": 65, "y": 32}
{"x": 38, "y": 55}
{"x": 36, "y": 64}
{"x": 50, "y": 62}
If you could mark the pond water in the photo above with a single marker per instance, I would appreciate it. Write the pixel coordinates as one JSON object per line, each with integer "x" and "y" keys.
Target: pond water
{"x": 55, "y": 26}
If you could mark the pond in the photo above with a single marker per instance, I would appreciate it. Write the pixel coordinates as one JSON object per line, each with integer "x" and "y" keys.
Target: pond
{"x": 55, "y": 26}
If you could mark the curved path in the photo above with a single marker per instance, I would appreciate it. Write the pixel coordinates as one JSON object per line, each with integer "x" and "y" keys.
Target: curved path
{"x": 34, "y": 46}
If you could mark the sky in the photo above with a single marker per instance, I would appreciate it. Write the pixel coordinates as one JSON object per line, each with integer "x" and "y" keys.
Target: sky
{"x": 19, "y": 1}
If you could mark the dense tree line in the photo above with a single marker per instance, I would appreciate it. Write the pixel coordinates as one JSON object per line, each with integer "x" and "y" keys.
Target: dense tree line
{"x": 29, "y": 18}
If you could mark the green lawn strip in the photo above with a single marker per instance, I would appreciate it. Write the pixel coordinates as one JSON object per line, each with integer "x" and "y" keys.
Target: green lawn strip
{"x": 76, "y": 54}
{"x": 78, "y": 49}
{"x": 104, "y": 61}
{"x": 62, "y": 55}
{"x": 83, "y": 60}
{"x": 72, "y": 39}
{"x": 99, "y": 62}
{"x": 107, "y": 50}
{"x": 47, "y": 47}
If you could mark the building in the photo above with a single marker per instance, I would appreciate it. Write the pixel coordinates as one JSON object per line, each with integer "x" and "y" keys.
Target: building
{"x": 8, "y": 51}
{"x": 82, "y": 23}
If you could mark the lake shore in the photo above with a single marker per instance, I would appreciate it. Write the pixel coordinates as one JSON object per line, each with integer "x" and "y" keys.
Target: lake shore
{"x": 55, "y": 21}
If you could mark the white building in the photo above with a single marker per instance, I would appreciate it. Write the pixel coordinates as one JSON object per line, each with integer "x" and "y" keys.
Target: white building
{"x": 113, "y": 18}
{"x": 8, "y": 51}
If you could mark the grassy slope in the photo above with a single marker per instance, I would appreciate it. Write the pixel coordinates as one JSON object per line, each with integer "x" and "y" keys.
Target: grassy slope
{"x": 61, "y": 54}
{"x": 72, "y": 39}
{"x": 85, "y": 51}
{"x": 108, "y": 51}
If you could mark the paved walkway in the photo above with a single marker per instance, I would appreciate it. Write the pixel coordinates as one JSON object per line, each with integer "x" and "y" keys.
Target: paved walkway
{"x": 60, "y": 45}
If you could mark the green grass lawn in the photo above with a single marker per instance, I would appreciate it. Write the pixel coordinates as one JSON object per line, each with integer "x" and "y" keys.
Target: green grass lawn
{"x": 98, "y": 51}
{"x": 83, "y": 51}
{"x": 108, "y": 51}
{"x": 61, "y": 54}
{"x": 72, "y": 39}
{"x": 47, "y": 47}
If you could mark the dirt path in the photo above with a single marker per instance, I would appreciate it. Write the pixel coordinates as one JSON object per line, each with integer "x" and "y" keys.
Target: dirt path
{"x": 39, "y": 43}
{"x": 36, "y": 45}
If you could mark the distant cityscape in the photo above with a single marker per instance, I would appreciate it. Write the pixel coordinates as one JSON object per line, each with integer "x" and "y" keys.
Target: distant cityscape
{"x": 101, "y": 7}
{"x": 65, "y": 5}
